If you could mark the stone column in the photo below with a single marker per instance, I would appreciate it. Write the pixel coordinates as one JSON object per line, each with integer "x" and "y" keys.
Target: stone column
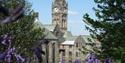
{"x": 50, "y": 52}
{"x": 56, "y": 52}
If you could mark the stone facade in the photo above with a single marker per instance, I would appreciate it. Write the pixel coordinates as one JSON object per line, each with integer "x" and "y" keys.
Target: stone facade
{"x": 67, "y": 53}
{"x": 58, "y": 43}
{"x": 59, "y": 14}
{"x": 49, "y": 44}
{"x": 76, "y": 48}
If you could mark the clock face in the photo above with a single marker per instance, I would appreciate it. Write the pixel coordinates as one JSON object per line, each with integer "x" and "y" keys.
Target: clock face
{"x": 56, "y": 9}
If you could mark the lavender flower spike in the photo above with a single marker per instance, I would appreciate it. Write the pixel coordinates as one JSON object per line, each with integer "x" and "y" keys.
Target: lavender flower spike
{"x": 10, "y": 52}
{"x": 6, "y": 39}
{"x": 19, "y": 58}
{"x": 2, "y": 56}
{"x": 91, "y": 58}
{"x": 108, "y": 60}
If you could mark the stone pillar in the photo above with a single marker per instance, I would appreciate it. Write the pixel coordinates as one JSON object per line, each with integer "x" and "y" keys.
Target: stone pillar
{"x": 53, "y": 56}
{"x": 56, "y": 52}
{"x": 50, "y": 52}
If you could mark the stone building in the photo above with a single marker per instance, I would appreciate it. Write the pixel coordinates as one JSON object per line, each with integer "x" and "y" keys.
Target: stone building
{"x": 60, "y": 14}
{"x": 85, "y": 44}
{"x": 49, "y": 44}
{"x": 59, "y": 44}
{"x": 75, "y": 48}
{"x": 66, "y": 48}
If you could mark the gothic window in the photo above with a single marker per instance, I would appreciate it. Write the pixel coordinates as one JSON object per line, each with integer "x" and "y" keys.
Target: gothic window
{"x": 63, "y": 23}
{"x": 65, "y": 10}
{"x": 63, "y": 53}
{"x": 53, "y": 52}
{"x": 70, "y": 46}
{"x": 60, "y": 12}
{"x": 63, "y": 16}
{"x": 62, "y": 45}
{"x": 70, "y": 61}
{"x": 77, "y": 54}
{"x": 70, "y": 53}
{"x": 76, "y": 44}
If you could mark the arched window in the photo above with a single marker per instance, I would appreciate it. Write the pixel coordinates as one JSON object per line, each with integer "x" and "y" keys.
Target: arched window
{"x": 76, "y": 44}
{"x": 53, "y": 52}
{"x": 70, "y": 53}
{"x": 77, "y": 54}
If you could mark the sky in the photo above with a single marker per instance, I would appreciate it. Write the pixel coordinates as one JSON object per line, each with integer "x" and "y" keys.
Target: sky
{"x": 76, "y": 10}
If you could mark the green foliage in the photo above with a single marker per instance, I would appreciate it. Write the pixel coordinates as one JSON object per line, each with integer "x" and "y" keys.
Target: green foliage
{"x": 24, "y": 36}
{"x": 109, "y": 27}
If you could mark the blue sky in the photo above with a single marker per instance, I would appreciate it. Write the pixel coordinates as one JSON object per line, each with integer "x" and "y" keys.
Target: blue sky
{"x": 77, "y": 8}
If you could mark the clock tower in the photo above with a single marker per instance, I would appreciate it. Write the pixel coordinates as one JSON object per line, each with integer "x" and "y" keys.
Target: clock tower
{"x": 59, "y": 14}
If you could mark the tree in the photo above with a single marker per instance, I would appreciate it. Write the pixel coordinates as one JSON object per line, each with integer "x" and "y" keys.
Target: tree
{"x": 109, "y": 26}
{"x": 22, "y": 30}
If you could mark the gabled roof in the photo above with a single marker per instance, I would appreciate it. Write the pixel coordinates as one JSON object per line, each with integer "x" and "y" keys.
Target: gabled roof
{"x": 88, "y": 38}
{"x": 68, "y": 36}
{"x": 68, "y": 43}
{"x": 48, "y": 34}
{"x": 50, "y": 27}
{"x": 73, "y": 38}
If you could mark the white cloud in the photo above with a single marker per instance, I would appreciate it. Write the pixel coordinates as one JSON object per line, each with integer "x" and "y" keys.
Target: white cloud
{"x": 72, "y": 12}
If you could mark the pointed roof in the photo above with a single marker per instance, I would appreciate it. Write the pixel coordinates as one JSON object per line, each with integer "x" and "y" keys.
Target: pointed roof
{"x": 48, "y": 34}
{"x": 68, "y": 43}
{"x": 88, "y": 39}
{"x": 68, "y": 36}
{"x": 50, "y": 27}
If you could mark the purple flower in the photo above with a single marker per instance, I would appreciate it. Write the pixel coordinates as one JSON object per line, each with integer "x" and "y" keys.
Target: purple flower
{"x": 11, "y": 51}
{"x": 9, "y": 55}
{"x": 8, "y": 58}
{"x": 6, "y": 39}
{"x": 91, "y": 58}
{"x": 63, "y": 60}
{"x": 2, "y": 56}
{"x": 77, "y": 61}
{"x": 96, "y": 61}
{"x": 38, "y": 53}
{"x": 107, "y": 60}
{"x": 19, "y": 58}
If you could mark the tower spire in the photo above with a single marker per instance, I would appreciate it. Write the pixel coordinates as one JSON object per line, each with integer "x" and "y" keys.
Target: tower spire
{"x": 59, "y": 14}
